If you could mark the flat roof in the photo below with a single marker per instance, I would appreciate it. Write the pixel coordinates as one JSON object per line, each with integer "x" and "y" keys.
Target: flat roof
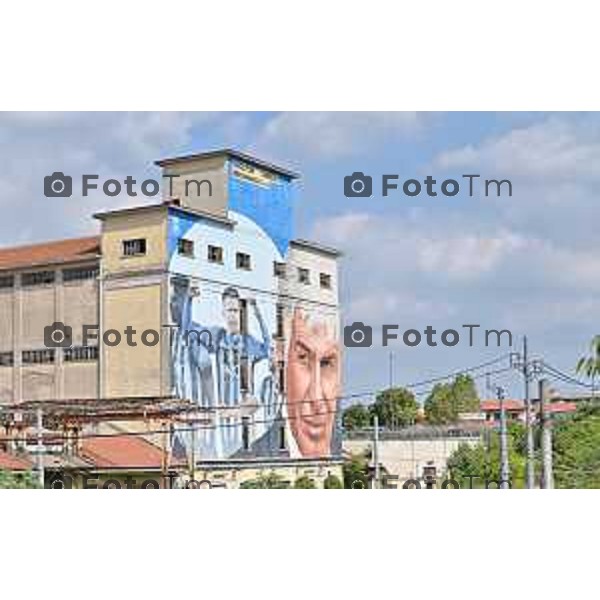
{"x": 231, "y": 153}
{"x": 164, "y": 205}
{"x": 317, "y": 247}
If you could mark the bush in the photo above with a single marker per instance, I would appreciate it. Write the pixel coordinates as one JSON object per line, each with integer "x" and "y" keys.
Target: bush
{"x": 305, "y": 483}
{"x": 332, "y": 482}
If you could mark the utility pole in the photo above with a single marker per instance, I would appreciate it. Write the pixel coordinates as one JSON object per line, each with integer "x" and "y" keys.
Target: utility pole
{"x": 530, "y": 474}
{"x": 547, "y": 478}
{"x": 528, "y": 368}
{"x": 504, "y": 465}
{"x": 391, "y": 370}
{"x": 376, "y": 451}
{"x": 193, "y": 453}
{"x": 39, "y": 459}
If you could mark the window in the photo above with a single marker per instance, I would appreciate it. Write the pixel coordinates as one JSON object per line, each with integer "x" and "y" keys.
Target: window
{"x": 303, "y": 275}
{"x": 135, "y": 247}
{"x": 80, "y": 273}
{"x": 244, "y": 316}
{"x": 34, "y": 357}
{"x": 282, "y": 437}
{"x": 7, "y": 281}
{"x": 279, "y": 314}
{"x": 80, "y": 353}
{"x": 215, "y": 254}
{"x": 244, "y": 374}
{"x": 37, "y": 278}
{"x": 245, "y": 433}
{"x": 325, "y": 281}
{"x": 7, "y": 359}
{"x": 185, "y": 247}
{"x": 281, "y": 375}
{"x": 243, "y": 261}
{"x": 279, "y": 269}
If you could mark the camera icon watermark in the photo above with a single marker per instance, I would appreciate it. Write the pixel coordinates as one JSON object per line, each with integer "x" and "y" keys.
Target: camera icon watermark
{"x": 58, "y": 335}
{"x": 358, "y": 185}
{"x": 358, "y": 335}
{"x": 58, "y": 185}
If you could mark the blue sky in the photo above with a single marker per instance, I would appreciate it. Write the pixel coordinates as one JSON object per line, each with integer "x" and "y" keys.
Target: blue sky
{"x": 530, "y": 263}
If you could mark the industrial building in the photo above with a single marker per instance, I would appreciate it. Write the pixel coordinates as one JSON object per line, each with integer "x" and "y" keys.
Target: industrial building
{"x": 235, "y": 362}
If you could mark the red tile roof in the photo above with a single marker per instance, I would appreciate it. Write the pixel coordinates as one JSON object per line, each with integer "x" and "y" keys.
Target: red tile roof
{"x": 10, "y": 462}
{"x": 121, "y": 452}
{"x": 561, "y": 407}
{"x": 49, "y": 253}
{"x": 494, "y": 405}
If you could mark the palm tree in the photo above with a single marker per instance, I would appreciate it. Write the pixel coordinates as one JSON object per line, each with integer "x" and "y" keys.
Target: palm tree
{"x": 590, "y": 365}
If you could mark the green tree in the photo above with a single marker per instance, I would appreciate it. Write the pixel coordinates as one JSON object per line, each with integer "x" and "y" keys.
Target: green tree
{"x": 356, "y": 416}
{"x": 590, "y": 365}
{"x": 332, "y": 482}
{"x": 395, "y": 407}
{"x": 356, "y": 472}
{"x": 448, "y": 400}
{"x": 11, "y": 480}
{"x": 265, "y": 481}
{"x": 474, "y": 465}
{"x": 438, "y": 404}
{"x": 304, "y": 483}
{"x": 576, "y": 445}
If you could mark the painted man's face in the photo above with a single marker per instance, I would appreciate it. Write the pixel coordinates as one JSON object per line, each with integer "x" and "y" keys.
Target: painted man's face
{"x": 313, "y": 381}
{"x": 231, "y": 314}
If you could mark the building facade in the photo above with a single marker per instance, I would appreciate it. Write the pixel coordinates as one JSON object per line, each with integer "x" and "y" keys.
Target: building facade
{"x": 205, "y": 296}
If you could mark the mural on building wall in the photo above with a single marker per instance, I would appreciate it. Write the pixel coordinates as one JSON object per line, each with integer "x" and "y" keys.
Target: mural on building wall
{"x": 228, "y": 354}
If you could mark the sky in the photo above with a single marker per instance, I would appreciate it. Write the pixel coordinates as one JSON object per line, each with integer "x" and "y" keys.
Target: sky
{"x": 529, "y": 263}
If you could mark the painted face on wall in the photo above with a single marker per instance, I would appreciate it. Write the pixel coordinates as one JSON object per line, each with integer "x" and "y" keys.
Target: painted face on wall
{"x": 313, "y": 382}
{"x": 231, "y": 311}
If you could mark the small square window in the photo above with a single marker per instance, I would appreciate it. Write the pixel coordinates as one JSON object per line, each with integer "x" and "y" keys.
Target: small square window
{"x": 7, "y": 359}
{"x": 279, "y": 269}
{"x": 243, "y": 261}
{"x": 303, "y": 275}
{"x": 7, "y": 281}
{"x": 215, "y": 254}
{"x": 135, "y": 247}
{"x": 185, "y": 247}
{"x": 325, "y": 280}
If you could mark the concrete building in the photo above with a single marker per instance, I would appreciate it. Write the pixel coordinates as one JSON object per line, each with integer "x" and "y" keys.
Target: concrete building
{"x": 205, "y": 296}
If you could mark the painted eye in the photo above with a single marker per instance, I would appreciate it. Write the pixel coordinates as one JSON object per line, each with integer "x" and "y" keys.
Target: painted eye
{"x": 328, "y": 362}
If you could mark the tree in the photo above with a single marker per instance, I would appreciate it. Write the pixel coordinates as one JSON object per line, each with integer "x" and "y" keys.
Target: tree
{"x": 332, "y": 482}
{"x": 356, "y": 472}
{"x": 473, "y": 465}
{"x": 448, "y": 400}
{"x": 305, "y": 483}
{"x": 356, "y": 416}
{"x": 395, "y": 407}
{"x": 11, "y": 480}
{"x": 269, "y": 481}
{"x": 590, "y": 365}
{"x": 576, "y": 445}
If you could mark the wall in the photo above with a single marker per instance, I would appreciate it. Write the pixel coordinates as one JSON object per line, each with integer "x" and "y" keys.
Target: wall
{"x": 281, "y": 389}
{"x": 24, "y": 313}
{"x": 406, "y": 458}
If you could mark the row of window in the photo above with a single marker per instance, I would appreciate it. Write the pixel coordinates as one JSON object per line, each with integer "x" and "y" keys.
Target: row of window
{"x": 48, "y": 355}
{"x": 244, "y": 261}
{"x": 47, "y": 277}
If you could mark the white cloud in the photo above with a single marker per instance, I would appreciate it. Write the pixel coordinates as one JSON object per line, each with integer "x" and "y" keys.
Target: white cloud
{"x": 34, "y": 145}
{"x": 558, "y": 148}
{"x": 414, "y": 244}
{"x": 334, "y": 134}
